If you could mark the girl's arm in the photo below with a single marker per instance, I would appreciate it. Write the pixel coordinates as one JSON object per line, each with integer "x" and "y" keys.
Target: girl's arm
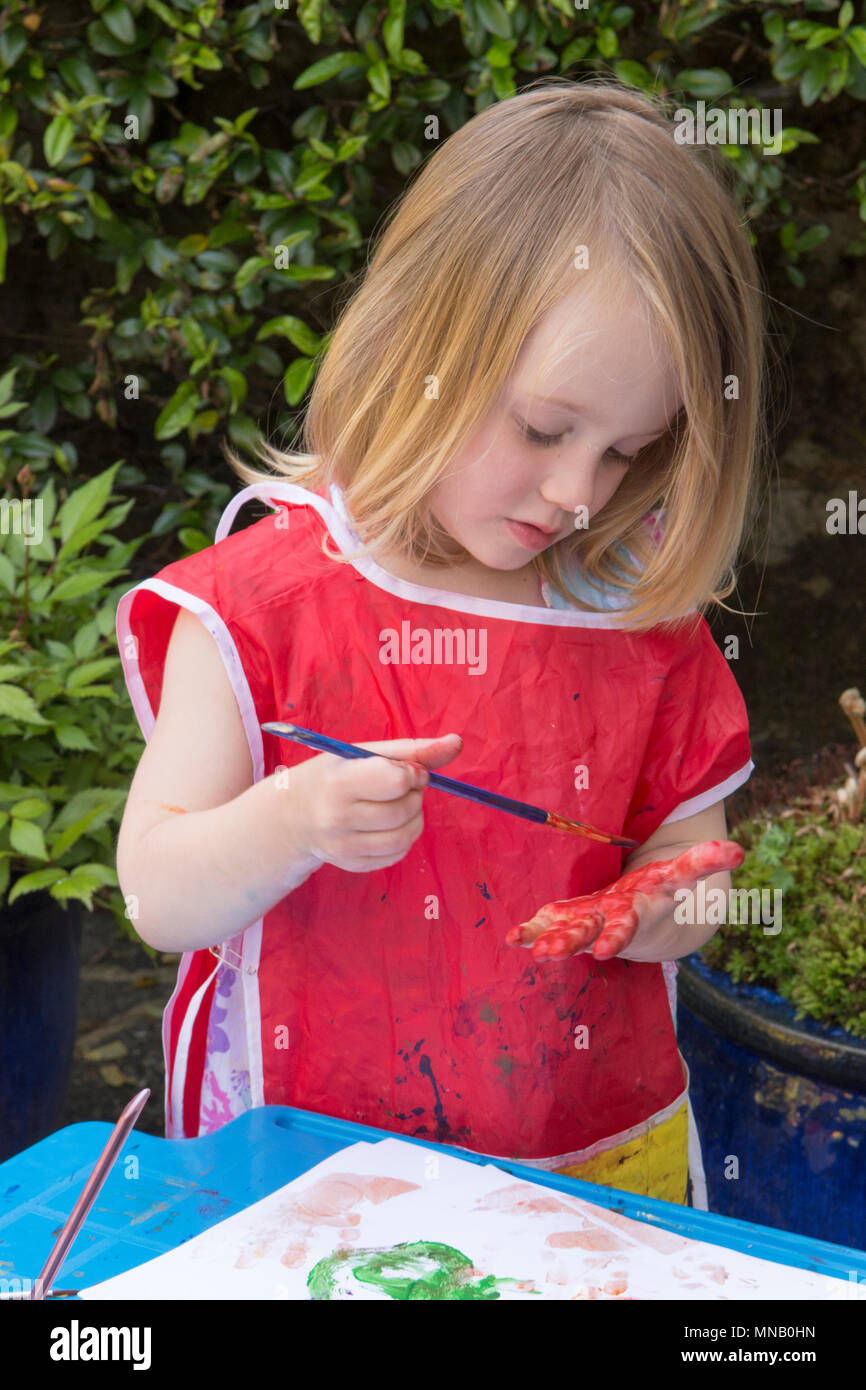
{"x": 665, "y": 939}
{"x": 202, "y": 851}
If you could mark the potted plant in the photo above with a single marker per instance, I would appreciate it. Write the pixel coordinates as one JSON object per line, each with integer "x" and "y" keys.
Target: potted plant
{"x": 772, "y": 1019}
{"x": 68, "y": 747}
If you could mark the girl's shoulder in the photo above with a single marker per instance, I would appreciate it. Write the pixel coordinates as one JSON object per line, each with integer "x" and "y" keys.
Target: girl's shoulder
{"x": 268, "y": 561}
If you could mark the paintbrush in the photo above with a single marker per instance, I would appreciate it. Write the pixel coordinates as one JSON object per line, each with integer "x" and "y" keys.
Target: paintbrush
{"x": 89, "y": 1194}
{"x": 322, "y": 744}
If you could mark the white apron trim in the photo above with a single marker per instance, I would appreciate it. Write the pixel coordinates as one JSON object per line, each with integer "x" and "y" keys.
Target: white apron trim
{"x": 246, "y": 944}
{"x": 709, "y": 798}
{"x": 174, "y": 1121}
{"x": 696, "y": 1165}
{"x": 336, "y": 519}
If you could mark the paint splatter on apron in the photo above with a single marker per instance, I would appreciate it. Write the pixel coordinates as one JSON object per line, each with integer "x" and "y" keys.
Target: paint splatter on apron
{"x": 388, "y": 998}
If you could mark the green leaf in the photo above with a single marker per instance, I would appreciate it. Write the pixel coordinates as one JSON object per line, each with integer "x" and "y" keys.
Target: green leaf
{"x": 814, "y": 78}
{"x": 405, "y": 156}
{"x": 789, "y": 64}
{"x": 70, "y": 736}
{"x": 68, "y": 837}
{"x": 85, "y": 503}
{"x": 193, "y": 540}
{"x": 32, "y": 883}
{"x": 634, "y": 74}
{"x": 846, "y": 14}
{"x": 495, "y": 18}
{"x": 823, "y": 34}
{"x": 193, "y": 335}
{"x": 298, "y": 333}
{"x": 704, "y": 82}
{"x": 58, "y": 136}
{"x": 813, "y": 236}
{"x": 379, "y": 78}
{"x": 250, "y": 269}
{"x": 80, "y": 583}
{"x": 17, "y": 704}
{"x": 105, "y": 800}
{"x": 91, "y": 670}
{"x": 119, "y": 22}
{"x": 28, "y": 839}
{"x": 236, "y": 382}
{"x": 29, "y": 808}
{"x": 13, "y": 42}
{"x": 325, "y": 69}
{"x": 856, "y": 41}
{"x": 177, "y": 414}
{"x": 297, "y": 378}
{"x": 608, "y": 43}
{"x": 392, "y": 27}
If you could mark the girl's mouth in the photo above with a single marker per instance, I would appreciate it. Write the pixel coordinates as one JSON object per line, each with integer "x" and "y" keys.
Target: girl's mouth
{"x": 532, "y": 537}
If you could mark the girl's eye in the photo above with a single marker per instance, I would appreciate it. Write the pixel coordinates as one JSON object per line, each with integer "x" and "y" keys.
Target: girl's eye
{"x": 546, "y": 440}
{"x": 535, "y": 436}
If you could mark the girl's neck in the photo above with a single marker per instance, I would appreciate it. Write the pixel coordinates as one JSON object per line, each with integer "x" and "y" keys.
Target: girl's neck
{"x": 521, "y": 586}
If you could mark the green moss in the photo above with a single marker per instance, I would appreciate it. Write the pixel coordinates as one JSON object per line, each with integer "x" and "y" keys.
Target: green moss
{"x": 818, "y": 959}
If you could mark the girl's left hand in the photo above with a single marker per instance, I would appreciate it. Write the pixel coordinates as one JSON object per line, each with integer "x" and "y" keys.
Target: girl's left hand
{"x": 607, "y": 920}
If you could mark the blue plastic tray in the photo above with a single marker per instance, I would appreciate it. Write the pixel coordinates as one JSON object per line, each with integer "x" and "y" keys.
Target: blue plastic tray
{"x": 162, "y": 1192}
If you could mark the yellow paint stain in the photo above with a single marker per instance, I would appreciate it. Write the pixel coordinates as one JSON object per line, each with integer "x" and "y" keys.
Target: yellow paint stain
{"x": 654, "y": 1165}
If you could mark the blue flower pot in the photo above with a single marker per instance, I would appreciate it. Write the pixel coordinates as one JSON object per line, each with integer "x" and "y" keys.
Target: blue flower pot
{"x": 780, "y": 1106}
{"x": 39, "y": 962}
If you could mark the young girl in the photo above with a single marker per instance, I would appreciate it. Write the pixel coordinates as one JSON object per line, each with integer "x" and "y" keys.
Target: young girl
{"x": 531, "y": 444}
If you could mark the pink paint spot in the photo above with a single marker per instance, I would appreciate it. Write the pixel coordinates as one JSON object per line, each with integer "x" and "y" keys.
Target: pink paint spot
{"x": 328, "y": 1202}
{"x": 294, "y": 1255}
{"x": 616, "y": 1286}
{"x": 378, "y": 1190}
{"x": 525, "y": 1200}
{"x": 594, "y": 1239}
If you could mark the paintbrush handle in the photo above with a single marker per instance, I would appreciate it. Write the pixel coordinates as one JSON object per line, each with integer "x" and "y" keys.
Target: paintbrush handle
{"x": 89, "y": 1194}
{"x": 323, "y": 744}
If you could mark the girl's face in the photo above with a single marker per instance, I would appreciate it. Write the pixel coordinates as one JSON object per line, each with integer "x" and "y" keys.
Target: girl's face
{"x": 561, "y": 439}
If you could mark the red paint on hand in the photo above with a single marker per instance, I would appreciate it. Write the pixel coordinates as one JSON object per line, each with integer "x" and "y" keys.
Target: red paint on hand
{"x": 608, "y": 919}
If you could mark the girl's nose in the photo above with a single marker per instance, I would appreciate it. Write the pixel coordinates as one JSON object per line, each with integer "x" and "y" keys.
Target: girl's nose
{"x": 571, "y": 483}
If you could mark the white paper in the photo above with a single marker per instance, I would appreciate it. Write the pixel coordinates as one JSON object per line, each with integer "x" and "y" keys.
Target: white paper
{"x": 504, "y": 1239}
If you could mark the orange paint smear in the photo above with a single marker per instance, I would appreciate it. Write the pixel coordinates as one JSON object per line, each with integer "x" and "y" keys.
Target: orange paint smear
{"x": 181, "y": 810}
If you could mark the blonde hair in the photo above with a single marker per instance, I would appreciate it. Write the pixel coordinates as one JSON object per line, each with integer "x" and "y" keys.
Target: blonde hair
{"x": 475, "y": 251}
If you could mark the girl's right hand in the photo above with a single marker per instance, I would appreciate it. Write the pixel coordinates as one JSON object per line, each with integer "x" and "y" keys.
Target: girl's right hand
{"x": 362, "y": 814}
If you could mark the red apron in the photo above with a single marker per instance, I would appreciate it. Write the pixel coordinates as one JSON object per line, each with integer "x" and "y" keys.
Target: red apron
{"x": 388, "y": 997}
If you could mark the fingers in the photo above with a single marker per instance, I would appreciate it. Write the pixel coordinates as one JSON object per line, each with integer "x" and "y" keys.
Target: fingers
{"x": 369, "y": 780}
{"x": 377, "y": 848}
{"x": 561, "y": 914}
{"x": 621, "y": 923}
{"x": 711, "y": 857}
{"x": 569, "y": 937}
{"x": 666, "y": 875}
{"x": 431, "y": 752}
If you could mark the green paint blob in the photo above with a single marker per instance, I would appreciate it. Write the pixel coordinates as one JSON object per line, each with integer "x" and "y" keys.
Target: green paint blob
{"x": 414, "y": 1271}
